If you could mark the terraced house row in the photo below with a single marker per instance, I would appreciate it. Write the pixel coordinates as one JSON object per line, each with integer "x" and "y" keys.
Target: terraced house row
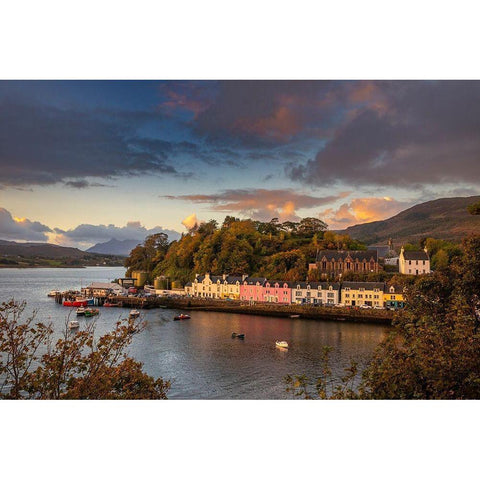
{"x": 257, "y": 289}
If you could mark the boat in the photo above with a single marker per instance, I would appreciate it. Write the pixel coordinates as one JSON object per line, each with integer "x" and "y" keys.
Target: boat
{"x": 134, "y": 314}
{"x": 53, "y": 293}
{"x": 90, "y": 302}
{"x": 181, "y": 317}
{"x": 73, "y": 324}
{"x": 281, "y": 344}
{"x": 238, "y": 335}
{"x": 91, "y": 312}
{"x": 68, "y": 303}
{"x": 108, "y": 304}
{"x": 162, "y": 306}
{"x": 80, "y": 311}
{"x": 294, "y": 316}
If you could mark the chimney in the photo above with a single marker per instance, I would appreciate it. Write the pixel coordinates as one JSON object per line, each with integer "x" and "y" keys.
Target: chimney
{"x": 244, "y": 277}
{"x": 224, "y": 276}
{"x": 196, "y": 275}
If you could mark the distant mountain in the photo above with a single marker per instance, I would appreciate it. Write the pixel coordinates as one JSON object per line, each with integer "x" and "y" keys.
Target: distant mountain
{"x": 38, "y": 250}
{"x": 445, "y": 218}
{"x": 47, "y": 254}
{"x": 115, "y": 247}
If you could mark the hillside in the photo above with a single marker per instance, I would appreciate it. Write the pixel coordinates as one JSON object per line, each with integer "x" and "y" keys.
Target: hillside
{"x": 115, "y": 247}
{"x": 445, "y": 218}
{"x": 47, "y": 254}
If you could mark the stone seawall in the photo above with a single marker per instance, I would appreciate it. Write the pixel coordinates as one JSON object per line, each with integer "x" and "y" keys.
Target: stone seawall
{"x": 267, "y": 309}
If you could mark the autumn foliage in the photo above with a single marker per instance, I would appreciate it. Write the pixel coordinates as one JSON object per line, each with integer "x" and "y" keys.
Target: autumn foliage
{"x": 78, "y": 365}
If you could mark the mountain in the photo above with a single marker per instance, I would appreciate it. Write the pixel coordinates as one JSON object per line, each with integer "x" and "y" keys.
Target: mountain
{"x": 445, "y": 218}
{"x": 47, "y": 254}
{"x": 115, "y": 247}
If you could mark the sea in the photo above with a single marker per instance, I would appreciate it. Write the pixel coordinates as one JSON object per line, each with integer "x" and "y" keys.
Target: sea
{"x": 199, "y": 356}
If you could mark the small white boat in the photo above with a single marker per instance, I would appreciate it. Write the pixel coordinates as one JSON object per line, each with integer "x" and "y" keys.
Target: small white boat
{"x": 52, "y": 293}
{"x": 81, "y": 311}
{"x": 72, "y": 324}
{"x": 294, "y": 316}
{"x": 281, "y": 344}
{"x": 134, "y": 313}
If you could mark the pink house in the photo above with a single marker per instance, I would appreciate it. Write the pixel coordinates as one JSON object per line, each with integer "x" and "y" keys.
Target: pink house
{"x": 251, "y": 289}
{"x": 277, "y": 292}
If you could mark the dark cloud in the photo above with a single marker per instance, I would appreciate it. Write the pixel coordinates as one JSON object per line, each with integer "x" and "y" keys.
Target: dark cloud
{"x": 41, "y": 145}
{"x": 80, "y": 184}
{"x": 260, "y": 204}
{"x": 409, "y": 134}
{"x": 21, "y": 229}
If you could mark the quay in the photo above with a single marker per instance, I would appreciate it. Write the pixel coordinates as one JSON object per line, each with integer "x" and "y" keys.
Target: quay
{"x": 239, "y": 306}
{"x": 266, "y": 309}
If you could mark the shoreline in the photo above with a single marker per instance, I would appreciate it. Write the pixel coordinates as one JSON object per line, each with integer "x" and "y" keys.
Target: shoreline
{"x": 335, "y": 314}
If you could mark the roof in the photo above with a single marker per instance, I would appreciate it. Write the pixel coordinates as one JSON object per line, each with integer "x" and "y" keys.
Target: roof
{"x": 337, "y": 255}
{"x": 396, "y": 288}
{"x": 105, "y": 286}
{"x": 365, "y": 285}
{"x": 315, "y": 285}
{"x": 188, "y": 284}
{"x": 382, "y": 250}
{"x": 254, "y": 280}
{"x": 415, "y": 255}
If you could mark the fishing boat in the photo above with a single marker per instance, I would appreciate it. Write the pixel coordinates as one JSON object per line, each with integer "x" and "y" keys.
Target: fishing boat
{"x": 91, "y": 312}
{"x": 52, "y": 293}
{"x": 134, "y": 314}
{"x": 80, "y": 311}
{"x": 181, "y": 317}
{"x": 238, "y": 335}
{"x": 294, "y": 316}
{"x": 68, "y": 303}
{"x": 281, "y": 344}
{"x": 72, "y": 324}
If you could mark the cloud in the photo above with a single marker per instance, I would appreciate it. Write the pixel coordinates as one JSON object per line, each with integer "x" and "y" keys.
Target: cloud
{"x": 362, "y": 210}
{"x": 190, "y": 221}
{"x": 80, "y": 184}
{"x": 45, "y": 144}
{"x": 86, "y": 234}
{"x": 418, "y": 133}
{"x": 21, "y": 229}
{"x": 260, "y": 204}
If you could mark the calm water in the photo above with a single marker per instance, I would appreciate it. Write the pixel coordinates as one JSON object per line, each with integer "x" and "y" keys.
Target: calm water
{"x": 199, "y": 355}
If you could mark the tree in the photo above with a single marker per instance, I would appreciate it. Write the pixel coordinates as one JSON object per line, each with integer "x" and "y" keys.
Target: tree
{"x": 433, "y": 351}
{"x": 75, "y": 366}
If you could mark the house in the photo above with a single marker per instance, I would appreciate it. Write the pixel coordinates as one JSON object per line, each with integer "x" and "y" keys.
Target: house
{"x": 356, "y": 294}
{"x": 393, "y": 296}
{"x": 333, "y": 262}
{"x": 251, "y": 289}
{"x": 277, "y": 292}
{"x": 414, "y": 262}
{"x": 215, "y": 286}
{"x": 315, "y": 293}
{"x": 103, "y": 289}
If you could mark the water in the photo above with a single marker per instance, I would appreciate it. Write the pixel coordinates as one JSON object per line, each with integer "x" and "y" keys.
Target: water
{"x": 199, "y": 355}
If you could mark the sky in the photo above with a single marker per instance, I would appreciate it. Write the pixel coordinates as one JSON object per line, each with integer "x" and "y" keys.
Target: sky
{"x": 82, "y": 162}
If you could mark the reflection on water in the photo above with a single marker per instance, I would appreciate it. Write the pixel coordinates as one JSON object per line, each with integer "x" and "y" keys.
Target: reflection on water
{"x": 199, "y": 354}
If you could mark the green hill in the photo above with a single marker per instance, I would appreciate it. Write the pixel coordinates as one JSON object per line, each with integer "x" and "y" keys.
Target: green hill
{"x": 445, "y": 218}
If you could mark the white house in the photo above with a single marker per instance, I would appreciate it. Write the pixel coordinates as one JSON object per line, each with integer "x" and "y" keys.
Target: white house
{"x": 414, "y": 262}
{"x": 315, "y": 293}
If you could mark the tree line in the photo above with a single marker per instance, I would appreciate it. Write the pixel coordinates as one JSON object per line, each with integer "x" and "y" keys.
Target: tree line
{"x": 268, "y": 249}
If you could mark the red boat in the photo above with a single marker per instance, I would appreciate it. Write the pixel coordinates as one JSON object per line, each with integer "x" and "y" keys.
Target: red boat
{"x": 107, "y": 304}
{"x": 75, "y": 303}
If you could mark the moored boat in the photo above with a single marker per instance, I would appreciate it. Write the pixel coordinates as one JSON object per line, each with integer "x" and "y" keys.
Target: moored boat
{"x": 238, "y": 335}
{"x": 182, "y": 316}
{"x": 281, "y": 344}
{"x": 134, "y": 314}
{"x": 91, "y": 312}
{"x": 72, "y": 324}
{"x": 52, "y": 293}
{"x": 294, "y": 316}
{"x": 108, "y": 304}
{"x": 68, "y": 303}
{"x": 80, "y": 311}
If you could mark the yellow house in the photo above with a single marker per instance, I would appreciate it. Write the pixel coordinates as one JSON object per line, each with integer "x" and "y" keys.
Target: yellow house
{"x": 215, "y": 286}
{"x": 393, "y": 296}
{"x": 356, "y": 294}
